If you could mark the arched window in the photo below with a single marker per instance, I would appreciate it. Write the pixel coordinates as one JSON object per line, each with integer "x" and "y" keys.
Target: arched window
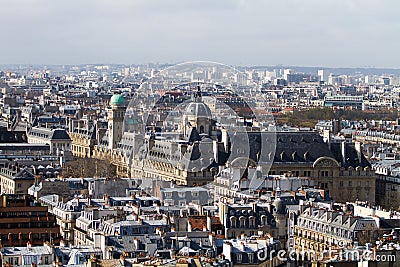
{"x": 252, "y": 221}
{"x": 263, "y": 220}
{"x": 242, "y": 221}
{"x": 233, "y": 221}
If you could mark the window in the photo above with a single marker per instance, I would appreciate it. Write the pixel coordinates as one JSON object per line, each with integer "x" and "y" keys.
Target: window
{"x": 242, "y": 221}
{"x": 350, "y": 183}
{"x": 324, "y": 173}
{"x": 233, "y": 222}
{"x": 251, "y": 257}
{"x": 169, "y": 202}
{"x": 252, "y": 222}
{"x": 341, "y": 184}
{"x": 263, "y": 220}
{"x": 239, "y": 257}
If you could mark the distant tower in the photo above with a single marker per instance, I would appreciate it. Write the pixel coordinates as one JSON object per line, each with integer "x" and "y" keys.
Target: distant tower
{"x": 116, "y": 116}
{"x": 323, "y": 75}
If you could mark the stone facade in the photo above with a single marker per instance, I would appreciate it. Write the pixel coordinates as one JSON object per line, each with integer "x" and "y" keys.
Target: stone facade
{"x": 320, "y": 229}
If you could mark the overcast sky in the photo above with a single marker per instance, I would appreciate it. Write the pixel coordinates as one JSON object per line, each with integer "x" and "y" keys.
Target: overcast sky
{"x": 332, "y": 33}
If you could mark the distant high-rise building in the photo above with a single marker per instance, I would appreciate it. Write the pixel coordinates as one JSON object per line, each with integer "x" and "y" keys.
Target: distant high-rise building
{"x": 323, "y": 75}
{"x": 286, "y": 72}
{"x": 386, "y": 81}
{"x": 241, "y": 78}
{"x": 367, "y": 79}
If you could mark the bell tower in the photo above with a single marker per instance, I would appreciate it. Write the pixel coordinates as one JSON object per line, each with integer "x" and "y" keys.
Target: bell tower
{"x": 116, "y": 115}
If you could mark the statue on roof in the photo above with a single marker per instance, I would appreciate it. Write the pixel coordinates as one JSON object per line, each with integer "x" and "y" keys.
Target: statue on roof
{"x": 197, "y": 94}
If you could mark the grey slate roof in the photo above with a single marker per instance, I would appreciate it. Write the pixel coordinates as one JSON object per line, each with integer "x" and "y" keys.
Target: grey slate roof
{"x": 351, "y": 156}
{"x": 300, "y": 147}
{"x": 50, "y": 134}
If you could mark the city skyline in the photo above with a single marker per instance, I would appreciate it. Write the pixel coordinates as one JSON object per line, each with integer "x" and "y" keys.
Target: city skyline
{"x": 207, "y": 133}
{"x": 198, "y": 164}
{"x": 304, "y": 33}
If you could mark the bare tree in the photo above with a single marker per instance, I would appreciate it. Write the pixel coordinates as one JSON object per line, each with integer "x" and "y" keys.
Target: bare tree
{"x": 89, "y": 167}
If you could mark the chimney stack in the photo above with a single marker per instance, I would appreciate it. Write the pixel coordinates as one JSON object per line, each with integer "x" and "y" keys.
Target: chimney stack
{"x": 343, "y": 150}
{"x": 209, "y": 222}
{"x": 357, "y": 145}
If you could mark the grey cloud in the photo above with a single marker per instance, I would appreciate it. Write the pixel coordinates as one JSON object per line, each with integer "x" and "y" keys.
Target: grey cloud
{"x": 290, "y": 32}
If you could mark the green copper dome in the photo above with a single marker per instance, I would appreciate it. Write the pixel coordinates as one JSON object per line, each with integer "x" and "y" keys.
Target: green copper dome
{"x": 117, "y": 100}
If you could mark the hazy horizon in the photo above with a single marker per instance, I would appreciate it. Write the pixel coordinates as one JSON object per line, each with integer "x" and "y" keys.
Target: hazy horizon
{"x": 305, "y": 33}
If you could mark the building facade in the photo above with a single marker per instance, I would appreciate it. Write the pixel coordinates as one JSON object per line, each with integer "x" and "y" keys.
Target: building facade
{"x": 83, "y": 142}
{"x": 320, "y": 229}
{"x": 22, "y": 220}
{"x": 58, "y": 139}
{"x": 15, "y": 180}
{"x": 254, "y": 219}
{"x": 340, "y": 169}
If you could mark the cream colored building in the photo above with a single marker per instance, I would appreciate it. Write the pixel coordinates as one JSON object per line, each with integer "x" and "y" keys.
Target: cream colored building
{"x": 83, "y": 142}
{"x": 14, "y": 180}
{"x": 58, "y": 139}
{"x": 320, "y": 229}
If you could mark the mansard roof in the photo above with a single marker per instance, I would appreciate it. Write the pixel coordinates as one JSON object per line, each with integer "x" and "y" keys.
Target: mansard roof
{"x": 338, "y": 219}
{"x": 351, "y": 156}
{"x": 300, "y": 147}
{"x": 24, "y": 173}
{"x": 88, "y": 133}
{"x": 305, "y": 147}
{"x": 50, "y": 134}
